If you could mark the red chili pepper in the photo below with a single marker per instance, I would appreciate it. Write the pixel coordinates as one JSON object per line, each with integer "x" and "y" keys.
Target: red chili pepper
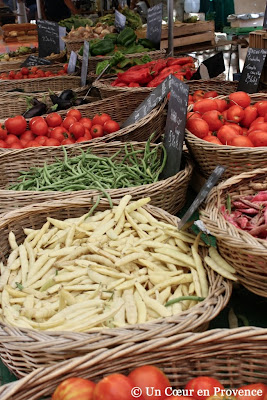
{"x": 179, "y": 61}
{"x": 142, "y": 76}
{"x": 159, "y": 66}
{"x": 189, "y": 74}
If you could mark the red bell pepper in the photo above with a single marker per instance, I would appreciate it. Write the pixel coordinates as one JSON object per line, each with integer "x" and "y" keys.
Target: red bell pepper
{"x": 141, "y": 76}
{"x": 180, "y": 61}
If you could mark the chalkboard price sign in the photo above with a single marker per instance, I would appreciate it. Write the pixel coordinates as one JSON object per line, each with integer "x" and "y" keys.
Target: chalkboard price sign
{"x": 252, "y": 70}
{"x": 120, "y": 20}
{"x": 72, "y": 62}
{"x": 210, "y": 68}
{"x": 265, "y": 18}
{"x": 33, "y": 60}
{"x": 206, "y": 188}
{"x": 84, "y": 63}
{"x": 154, "y": 23}
{"x": 175, "y": 127}
{"x": 49, "y": 38}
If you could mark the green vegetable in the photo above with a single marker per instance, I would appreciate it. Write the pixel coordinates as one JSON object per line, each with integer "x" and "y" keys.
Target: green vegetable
{"x": 102, "y": 47}
{"x": 19, "y": 285}
{"x": 145, "y": 59}
{"x": 136, "y": 48}
{"x": 128, "y": 62}
{"x": 146, "y": 43}
{"x": 101, "y": 66}
{"x": 118, "y": 56}
{"x": 75, "y": 21}
{"x": 89, "y": 171}
{"x": 126, "y": 37}
{"x": 112, "y": 36}
{"x": 133, "y": 19}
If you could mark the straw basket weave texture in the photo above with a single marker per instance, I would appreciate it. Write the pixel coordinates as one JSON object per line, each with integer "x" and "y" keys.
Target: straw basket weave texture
{"x": 93, "y": 61}
{"x": 119, "y": 108}
{"x": 23, "y": 350}
{"x": 14, "y": 64}
{"x": 53, "y": 68}
{"x": 72, "y": 44}
{"x": 235, "y": 357}
{"x": 168, "y": 194}
{"x": 236, "y": 159}
{"x": 222, "y": 88}
{"x": 54, "y": 83}
{"x": 246, "y": 253}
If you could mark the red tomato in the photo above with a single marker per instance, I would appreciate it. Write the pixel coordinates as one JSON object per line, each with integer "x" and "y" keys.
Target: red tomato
{"x": 86, "y": 122}
{"x": 235, "y": 114}
{"x": 11, "y": 74}
{"x": 241, "y": 99}
{"x": 3, "y": 133}
{"x": 53, "y": 119}
{"x": 16, "y": 125}
{"x": 241, "y": 141}
{"x": 259, "y": 125}
{"x": 82, "y": 139}
{"x": 65, "y": 66}
{"x": 221, "y": 105}
{"x": 203, "y": 387}
{"x": 3, "y": 144}
{"x": 16, "y": 145}
{"x": 41, "y": 140}
{"x": 74, "y": 388}
{"x": 39, "y": 128}
{"x": 114, "y": 387}
{"x": 111, "y": 126}
{"x": 73, "y": 112}
{"x": 27, "y": 135}
{"x": 58, "y": 134}
{"x": 253, "y": 391}
{"x": 35, "y": 119}
{"x": 261, "y": 107}
{"x": 100, "y": 119}
{"x": 198, "y": 95}
{"x": 88, "y": 134}
{"x": 68, "y": 141}
{"x": 226, "y": 133}
{"x": 212, "y": 139}
{"x": 18, "y": 75}
{"x": 52, "y": 142}
{"x": 251, "y": 114}
{"x": 24, "y": 71}
{"x": 77, "y": 130}
{"x": 198, "y": 127}
{"x": 205, "y": 105}
{"x": 68, "y": 121}
{"x": 193, "y": 115}
{"x": 236, "y": 127}
{"x": 11, "y": 139}
{"x": 258, "y": 138}
{"x": 97, "y": 131}
{"x": 214, "y": 119}
{"x": 257, "y": 120}
{"x": 153, "y": 383}
{"x": 33, "y": 143}
{"x": 34, "y": 69}
{"x": 211, "y": 93}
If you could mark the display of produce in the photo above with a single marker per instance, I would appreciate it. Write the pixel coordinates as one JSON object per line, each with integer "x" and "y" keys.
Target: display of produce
{"x": 90, "y": 32}
{"x": 53, "y": 130}
{"x": 105, "y": 270}
{"x": 33, "y": 72}
{"x": 150, "y": 382}
{"x": 233, "y": 123}
{"x": 133, "y": 20}
{"x": 119, "y": 63}
{"x": 16, "y": 55}
{"x": 75, "y": 21}
{"x": 155, "y": 72}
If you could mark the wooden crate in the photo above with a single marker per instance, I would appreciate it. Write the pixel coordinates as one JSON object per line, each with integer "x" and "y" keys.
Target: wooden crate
{"x": 187, "y": 34}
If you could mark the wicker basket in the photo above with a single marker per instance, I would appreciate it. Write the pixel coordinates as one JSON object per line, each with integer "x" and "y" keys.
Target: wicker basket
{"x": 15, "y": 64}
{"x": 222, "y": 87}
{"x": 53, "y": 68}
{"x": 24, "y": 350}
{"x": 54, "y": 83}
{"x": 168, "y": 194}
{"x": 237, "y": 159}
{"x": 93, "y": 61}
{"x": 235, "y": 357}
{"x": 72, "y": 44}
{"x": 245, "y": 252}
{"x": 119, "y": 108}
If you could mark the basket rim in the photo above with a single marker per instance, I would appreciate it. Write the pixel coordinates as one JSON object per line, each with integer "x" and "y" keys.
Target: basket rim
{"x": 221, "y": 284}
{"x": 133, "y": 55}
{"x": 242, "y": 238}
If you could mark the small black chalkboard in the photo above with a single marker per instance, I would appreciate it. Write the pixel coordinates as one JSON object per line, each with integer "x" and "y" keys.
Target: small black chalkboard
{"x": 72, "y": 62}
{"x": 204, "y": 191}
{"x": 84, "y": 63}
{"x": 154, "y": 24}
{"x": 175, "y": 127}
{"x": 33, "y": 60}
{"x": 120, "y": 20}
{"x": 155, "y": 97}
{"x": 49, "y": 38}
{"x": 210, "y": 68}
{"x": 252, "y": 70}
{"x": 265, "y": 18}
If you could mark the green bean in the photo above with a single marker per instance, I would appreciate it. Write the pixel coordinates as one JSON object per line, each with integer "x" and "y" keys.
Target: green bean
{"x": 178, "y": 299}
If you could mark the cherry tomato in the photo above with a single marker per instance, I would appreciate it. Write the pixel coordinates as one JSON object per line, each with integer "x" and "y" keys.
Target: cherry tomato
{"x": 24, "y": 71}
{"x": 73, "y": 112}
{"x": 16, "y": 125}
{"x": 97, "y": 131}
{"x": 100, "y": 119}
{"x": 111, "y": 126}
{"x": 53, "y": 120}
{"x": 203, "y": 387}
{"x": 152, "y": 381}
{"x": 114, "y": 386}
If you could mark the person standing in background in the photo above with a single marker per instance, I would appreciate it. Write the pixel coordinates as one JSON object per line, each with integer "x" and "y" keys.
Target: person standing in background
{"x": 56, "y": 10}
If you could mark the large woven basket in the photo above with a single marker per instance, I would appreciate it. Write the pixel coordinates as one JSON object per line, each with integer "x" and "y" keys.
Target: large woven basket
{"x": 14, "y": 64}
{"x": 245, "y": 252}
{"x": 235, "y": 357}
{"x": 119, "y": 108}
{"x": 222, "y": 87}
{"x": 23, "y": 350}
{"x": 53, "y": 68}
{"x": 93, "y": 61}
{"x": 236, "y": 159}
{"x": 168, "y": 194}
{"x": 54, "y": 83}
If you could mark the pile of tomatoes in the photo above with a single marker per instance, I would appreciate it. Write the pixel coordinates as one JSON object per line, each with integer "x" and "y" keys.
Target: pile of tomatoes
{"x": 150, "y": 383}
{"x": 54, "y": 131}
{"x": 33, "y": 72}
{"x": 234, "y": 123}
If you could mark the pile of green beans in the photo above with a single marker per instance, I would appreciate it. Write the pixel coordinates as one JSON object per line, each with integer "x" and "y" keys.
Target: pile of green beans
{"x": 89, "y": 171}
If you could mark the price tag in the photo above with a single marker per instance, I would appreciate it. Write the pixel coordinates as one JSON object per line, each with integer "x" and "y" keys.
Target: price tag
{"x": 49, "y": 38}
{"x": 265, "y": 18}
{"x": 72, "y": 62}
{"x": 175, "y": 127}
{"x": 154, "y": 24}
{"x": 252, "y": 70}
{"x": 33, "y": 60}
{"x": 85, "y": 63}
{"x": 210, "y": 68}
{"x": 155, "y": 97}
{"x": 120, "y": 20}
{"x": 204, "y": 191}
